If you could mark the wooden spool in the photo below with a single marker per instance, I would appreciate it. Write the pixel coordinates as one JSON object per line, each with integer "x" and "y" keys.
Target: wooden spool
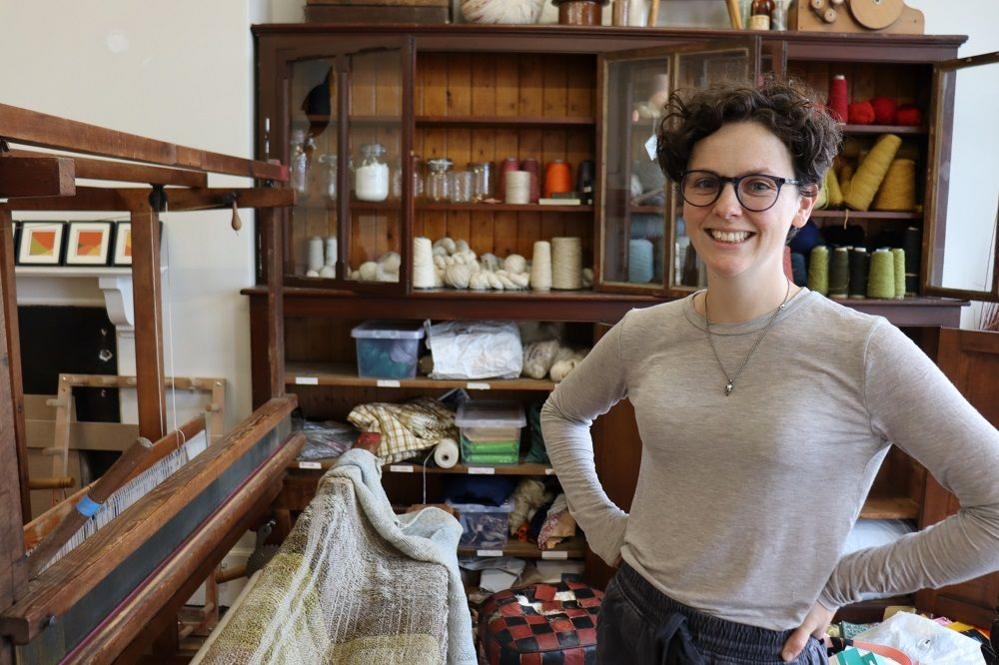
{"x": 876, "y": 14}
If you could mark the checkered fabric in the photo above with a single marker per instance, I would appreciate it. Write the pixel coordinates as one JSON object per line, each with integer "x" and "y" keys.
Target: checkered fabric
{"x": 541, "y": 624}
{"x": 405, "y": 428}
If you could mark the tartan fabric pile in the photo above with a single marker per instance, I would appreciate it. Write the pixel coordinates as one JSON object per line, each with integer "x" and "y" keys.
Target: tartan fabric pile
{"x": 405, "y": 428}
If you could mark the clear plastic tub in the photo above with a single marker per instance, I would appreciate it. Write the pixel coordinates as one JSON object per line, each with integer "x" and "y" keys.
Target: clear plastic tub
{"x": 483, "y": 527}
{"x": 490, "y": 431}
{"x": 388, "y": 349}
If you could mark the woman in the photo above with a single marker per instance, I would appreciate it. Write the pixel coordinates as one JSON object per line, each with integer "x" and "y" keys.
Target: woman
{"x": 765, "y": 411}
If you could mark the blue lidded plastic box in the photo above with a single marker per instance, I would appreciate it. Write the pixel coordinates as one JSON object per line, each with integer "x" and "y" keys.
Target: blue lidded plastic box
{"x": 388, "y": 349}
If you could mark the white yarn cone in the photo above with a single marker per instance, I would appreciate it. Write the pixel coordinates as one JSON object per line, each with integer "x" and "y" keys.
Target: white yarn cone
{"x": 541, "y": 266}
{"x": 423, "y": 263}
{"x": 567, "y": 263}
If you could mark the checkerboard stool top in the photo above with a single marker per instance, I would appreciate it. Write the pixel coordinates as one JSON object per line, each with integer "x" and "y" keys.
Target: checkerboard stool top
{"x": 541, "y": 624}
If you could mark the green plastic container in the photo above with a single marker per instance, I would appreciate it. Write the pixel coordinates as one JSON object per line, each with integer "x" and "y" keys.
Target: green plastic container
{"x": 490, "y": 432}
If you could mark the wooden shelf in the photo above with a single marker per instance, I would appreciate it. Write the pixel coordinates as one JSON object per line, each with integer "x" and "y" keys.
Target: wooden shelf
{"x": 890, "y": 508}
{"x": 523, "y": 469}
{"x": 883, "y": 129}
{"x": 336, "y": 374}
{"x": 500, "y": 120}
{"x": 503, "y": 207}
{"x": 859, "y": 214}
{"x": 574, "y": 548}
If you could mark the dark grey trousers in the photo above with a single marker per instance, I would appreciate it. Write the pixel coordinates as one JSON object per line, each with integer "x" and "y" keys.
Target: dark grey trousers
{"x": 639, "y": 625}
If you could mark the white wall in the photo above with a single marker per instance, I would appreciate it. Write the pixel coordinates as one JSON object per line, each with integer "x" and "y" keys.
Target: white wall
{"x": 180, "y": 71}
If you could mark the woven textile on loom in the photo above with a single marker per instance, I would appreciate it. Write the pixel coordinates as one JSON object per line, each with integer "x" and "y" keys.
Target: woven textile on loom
{"x": 354, "y": 583}
{"x": 405, "y": 428}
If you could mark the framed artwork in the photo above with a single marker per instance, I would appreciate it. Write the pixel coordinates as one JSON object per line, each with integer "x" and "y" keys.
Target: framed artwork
{"x": 41, "y": 243}
{"x": 122, "y": 255}
{"x": 89, "y": 243}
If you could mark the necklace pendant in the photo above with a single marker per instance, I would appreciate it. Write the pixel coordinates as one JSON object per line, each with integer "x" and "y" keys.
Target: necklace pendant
{"x": 729, "y": 387}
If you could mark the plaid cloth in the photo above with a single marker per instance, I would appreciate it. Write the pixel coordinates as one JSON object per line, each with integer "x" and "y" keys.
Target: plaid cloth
{"x": 541, "y": 624}
{"x": 405, "y": 428}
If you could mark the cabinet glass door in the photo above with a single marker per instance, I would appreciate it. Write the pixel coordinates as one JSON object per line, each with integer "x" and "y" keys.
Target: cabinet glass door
{"x": 963, "y": 212}
{"x": 347, "y": 137}
{"x": 643, "y": 247}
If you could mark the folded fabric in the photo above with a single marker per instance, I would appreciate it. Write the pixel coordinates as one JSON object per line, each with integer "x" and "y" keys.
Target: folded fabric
{"x": 405, "y": 428}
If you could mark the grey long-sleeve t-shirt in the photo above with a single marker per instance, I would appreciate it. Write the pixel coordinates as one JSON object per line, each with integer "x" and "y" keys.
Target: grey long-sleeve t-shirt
{"x": 744, "y": 501}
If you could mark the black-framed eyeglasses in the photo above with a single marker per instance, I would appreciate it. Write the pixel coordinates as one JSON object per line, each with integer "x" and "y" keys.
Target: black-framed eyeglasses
{"x": 755, "y": 192}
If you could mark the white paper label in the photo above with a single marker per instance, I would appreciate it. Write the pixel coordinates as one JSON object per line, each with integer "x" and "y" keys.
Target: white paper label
{"x": 472, "y": 385}
{"x": 481, "y": 470}
{"x": 401, "y": 468}
{"x": 488, "y": 552}
{"x": 310, "y": 465}
{"x": 307, "y": 380}
{"x": 549, "y": 472}
{"x": 388, "y": 383}
{"x": 651, "y": 145}
{"x": 554, "y": 554}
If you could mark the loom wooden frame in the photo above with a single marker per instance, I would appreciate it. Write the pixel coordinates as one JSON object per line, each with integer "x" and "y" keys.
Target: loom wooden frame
{"x": 31, "y": 180}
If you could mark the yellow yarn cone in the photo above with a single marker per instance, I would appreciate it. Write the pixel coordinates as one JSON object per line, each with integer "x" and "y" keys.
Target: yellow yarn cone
{"x": 898, "y": 191}
{"x": 871, "y": 172}
{"x": 833, "y": 190}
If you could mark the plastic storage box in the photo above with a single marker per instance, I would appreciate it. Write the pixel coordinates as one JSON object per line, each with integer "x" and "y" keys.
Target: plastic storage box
{"x": 483, "y": 527}
{"x": 387, "y": 349}
{"x": 490, "y": 432}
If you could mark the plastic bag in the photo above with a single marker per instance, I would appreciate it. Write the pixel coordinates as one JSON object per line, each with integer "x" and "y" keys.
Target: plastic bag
{"x": 325, "y": 440}
{"x": 475, "y": 350}
{"x": 924, "y": 641}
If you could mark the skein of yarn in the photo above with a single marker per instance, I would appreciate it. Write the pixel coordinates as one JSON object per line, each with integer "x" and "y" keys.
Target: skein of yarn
{"x": 567, "y": 263}
{"x": 541, "y": 266}
{"x": 423, "y": 263}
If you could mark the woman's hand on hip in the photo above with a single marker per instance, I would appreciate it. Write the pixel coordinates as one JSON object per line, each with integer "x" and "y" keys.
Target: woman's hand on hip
{"x": 816, "y": 622}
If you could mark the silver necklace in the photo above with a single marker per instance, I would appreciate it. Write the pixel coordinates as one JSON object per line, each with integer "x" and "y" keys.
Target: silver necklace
{"x": 730, "y": 386}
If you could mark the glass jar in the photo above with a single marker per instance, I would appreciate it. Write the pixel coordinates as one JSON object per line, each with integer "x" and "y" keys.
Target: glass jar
{"x": 482, "y": 180}
{"x": 299, "y": 163}
{"x": 330, "y": 161}
{"x": 417, "y": 178}
{"x": 460, "y": 186}
{"x": 371, "y": 179}
{"x": 437, "y": 182}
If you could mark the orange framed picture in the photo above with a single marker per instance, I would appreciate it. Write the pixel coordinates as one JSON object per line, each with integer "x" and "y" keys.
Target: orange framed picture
{"x": 122, "y": 255}
{"x": 41, "y": 243}
{"x": 88, "y": 244}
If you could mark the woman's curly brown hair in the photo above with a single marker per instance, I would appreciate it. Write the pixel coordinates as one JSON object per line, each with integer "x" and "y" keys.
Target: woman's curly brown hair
{"x": 784, "y": 107}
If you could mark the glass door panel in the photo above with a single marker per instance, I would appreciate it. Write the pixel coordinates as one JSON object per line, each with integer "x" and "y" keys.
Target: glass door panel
{"x": 964, "y": 215}
{"x": 312, "y": 161}
{"x": 375, "y": 149}
{"x": 695, "y": 69}
{"x": 636, "y": 87}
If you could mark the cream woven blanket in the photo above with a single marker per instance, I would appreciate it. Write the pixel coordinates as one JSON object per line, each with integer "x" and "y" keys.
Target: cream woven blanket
{"x": 355, "y": 584}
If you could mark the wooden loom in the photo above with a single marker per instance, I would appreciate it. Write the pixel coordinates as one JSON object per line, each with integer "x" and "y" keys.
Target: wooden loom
{"x": 123, "y": 586}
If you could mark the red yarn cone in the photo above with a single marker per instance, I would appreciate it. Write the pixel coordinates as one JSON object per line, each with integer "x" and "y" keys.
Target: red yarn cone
{"x": 838, "y": 101}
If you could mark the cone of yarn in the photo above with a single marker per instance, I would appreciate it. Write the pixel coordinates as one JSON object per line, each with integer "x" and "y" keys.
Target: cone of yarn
{"x": 541, "y": 266}
{"x": 518, "y": 187}
{"x": 859, "y": 267}
{"x": 818, "y": 270}
{"x": 898, "y": 191}
{"x": 838, "y": 101}
{"x": 898, "y": 257}
{"x": 833, "y": 192}
{"x": 567, "y": 263}
{"x": 531, "y": 166}
{"x": 315, "y": 262}
{"x": 640, "y": 261}
{"x": 912, "y": 243}
{"x": 881, "y": 283}
{"x": 839, "y": 272}
{"x": 423, "y": 263}
{"x": 871, "y": 172}
{"x": 799, "y": 273}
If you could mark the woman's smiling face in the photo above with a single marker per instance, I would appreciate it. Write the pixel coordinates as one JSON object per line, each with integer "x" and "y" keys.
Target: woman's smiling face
{"x": 731, "y": 240}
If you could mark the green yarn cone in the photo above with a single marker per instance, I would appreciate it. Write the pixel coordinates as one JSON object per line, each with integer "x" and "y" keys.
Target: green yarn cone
{"x": 881, "y": 282}
{"x": 818, "y": 270}
{"x": 898, "y": 254}
{"x": 839, "y": 272}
